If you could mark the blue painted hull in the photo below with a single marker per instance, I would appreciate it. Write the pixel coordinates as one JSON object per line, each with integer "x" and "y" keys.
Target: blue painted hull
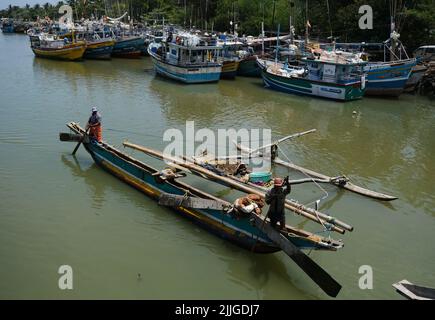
{"x": 312, "y": 88}
{"x": 8, "y": 29}
{"x": 187, "y": 78}
{"x": 388, "y": 79}
{"x": 187, "y": 74}
{"x": 102, "y": 53}
{"x": 128, "y": 48}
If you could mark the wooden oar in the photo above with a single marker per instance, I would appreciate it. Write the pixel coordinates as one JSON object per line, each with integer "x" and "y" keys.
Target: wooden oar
{"x": 327, "y": 283}
{"x": 80, "y": 142}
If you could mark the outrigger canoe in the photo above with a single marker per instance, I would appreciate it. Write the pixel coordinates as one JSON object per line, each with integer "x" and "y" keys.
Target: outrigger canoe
{"x": 212, "y": 213}
{"x": 148, "y": 180}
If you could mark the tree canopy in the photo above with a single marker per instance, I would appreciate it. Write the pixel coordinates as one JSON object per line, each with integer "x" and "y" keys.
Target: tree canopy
{"x": 415, "y": 19}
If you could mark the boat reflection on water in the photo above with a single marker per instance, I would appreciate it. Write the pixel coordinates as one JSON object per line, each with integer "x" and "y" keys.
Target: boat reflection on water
{"x": 96, "y": 188}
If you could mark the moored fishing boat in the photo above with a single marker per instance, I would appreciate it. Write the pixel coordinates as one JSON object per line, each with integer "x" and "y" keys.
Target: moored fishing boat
{"x": 52, "y": 47}
{"x": 7, "y": 26}
{"x": 230, "y": 59}
{"x": 334, "y": 75}
{"x": 187, "y": 58}
{"x": 100, "y": 49}
{"x": 248, "y": 67}
{"x": 128, "y": 47}
{"x": 229, "y": 68}
{"x": 388, "y": 78}
{"x": 99, "y": 45}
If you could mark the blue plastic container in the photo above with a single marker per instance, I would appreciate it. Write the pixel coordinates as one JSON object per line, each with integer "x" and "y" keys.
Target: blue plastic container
{"x": 263, "y": 177}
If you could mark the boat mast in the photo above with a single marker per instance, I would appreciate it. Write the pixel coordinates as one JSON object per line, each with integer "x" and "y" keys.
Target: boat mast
{"x": 277, "y": 46}
{"x": 262, "y": 31}
{"x": 262, "y": 38}
{"x": 185, "y": 13}
{"x": 392, "y": 29}
{"x": 291, "y": 5}
{"x": 306, "y": 23}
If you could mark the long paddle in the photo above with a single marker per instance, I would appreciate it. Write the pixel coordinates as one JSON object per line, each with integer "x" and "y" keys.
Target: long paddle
{"x": 328, "y": 284}
{"x": 80, "y": 142}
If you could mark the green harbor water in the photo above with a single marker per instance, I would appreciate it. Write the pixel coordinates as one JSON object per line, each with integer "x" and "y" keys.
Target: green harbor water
{"x": 56, "y": 209}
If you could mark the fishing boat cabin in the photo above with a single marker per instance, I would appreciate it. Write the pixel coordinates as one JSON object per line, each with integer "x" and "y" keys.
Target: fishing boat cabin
{"x": 337, "y": 67}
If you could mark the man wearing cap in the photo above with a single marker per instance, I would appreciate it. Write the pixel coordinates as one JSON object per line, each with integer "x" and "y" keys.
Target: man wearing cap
{"x": 275, "y": 198}
{"x": 94, "y": 125}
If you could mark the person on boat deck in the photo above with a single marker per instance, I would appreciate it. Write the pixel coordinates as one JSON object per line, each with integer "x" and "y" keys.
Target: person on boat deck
{"x": 275, "y": 198}
{"x": 94, "y": 125}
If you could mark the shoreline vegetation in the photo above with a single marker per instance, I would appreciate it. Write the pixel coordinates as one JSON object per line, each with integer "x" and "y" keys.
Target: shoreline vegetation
{"x": 326, "y": 18}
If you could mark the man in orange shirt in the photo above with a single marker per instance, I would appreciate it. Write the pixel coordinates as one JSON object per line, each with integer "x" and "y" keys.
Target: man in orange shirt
{"x": 94, "y": 125}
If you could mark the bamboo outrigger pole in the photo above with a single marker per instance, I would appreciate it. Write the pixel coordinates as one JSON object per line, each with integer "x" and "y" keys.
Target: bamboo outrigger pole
{"x": 312, "y": 214}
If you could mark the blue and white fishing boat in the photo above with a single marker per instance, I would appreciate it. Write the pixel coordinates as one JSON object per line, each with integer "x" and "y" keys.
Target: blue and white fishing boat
{"x": 334, "y": 75}
{"x": 388, "y": 78}
{"x": 187, "y": 58}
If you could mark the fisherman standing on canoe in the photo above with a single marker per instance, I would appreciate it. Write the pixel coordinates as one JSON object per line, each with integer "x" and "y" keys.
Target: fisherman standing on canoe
{"x": 94, "y": 125}
{"x": 275, "y": 198}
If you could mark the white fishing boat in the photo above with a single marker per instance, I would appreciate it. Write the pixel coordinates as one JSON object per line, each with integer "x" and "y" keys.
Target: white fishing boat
{"x": 187, "y": 58}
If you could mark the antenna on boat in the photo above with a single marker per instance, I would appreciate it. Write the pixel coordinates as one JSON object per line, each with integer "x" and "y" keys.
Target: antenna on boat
{"x": 262, "y": 38}
{"x": 277, "y": 45}
{"x": 329, "y": 20}
{"x": 291, "y": 6}
{"x": 307, "y": 23}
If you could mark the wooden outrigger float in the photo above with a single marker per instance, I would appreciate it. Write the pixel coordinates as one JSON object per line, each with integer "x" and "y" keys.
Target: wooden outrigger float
{"x": 252, "y": 231}
{"x": 339, "y": 181}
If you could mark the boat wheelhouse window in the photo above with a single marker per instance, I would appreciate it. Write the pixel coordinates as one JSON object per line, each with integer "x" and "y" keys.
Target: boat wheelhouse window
{"x": 314, "y": 65}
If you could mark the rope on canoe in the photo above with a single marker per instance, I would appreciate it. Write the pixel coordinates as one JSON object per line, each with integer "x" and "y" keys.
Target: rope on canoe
{"x": 308, "y": 176}
{"x": 327, "y": 227}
